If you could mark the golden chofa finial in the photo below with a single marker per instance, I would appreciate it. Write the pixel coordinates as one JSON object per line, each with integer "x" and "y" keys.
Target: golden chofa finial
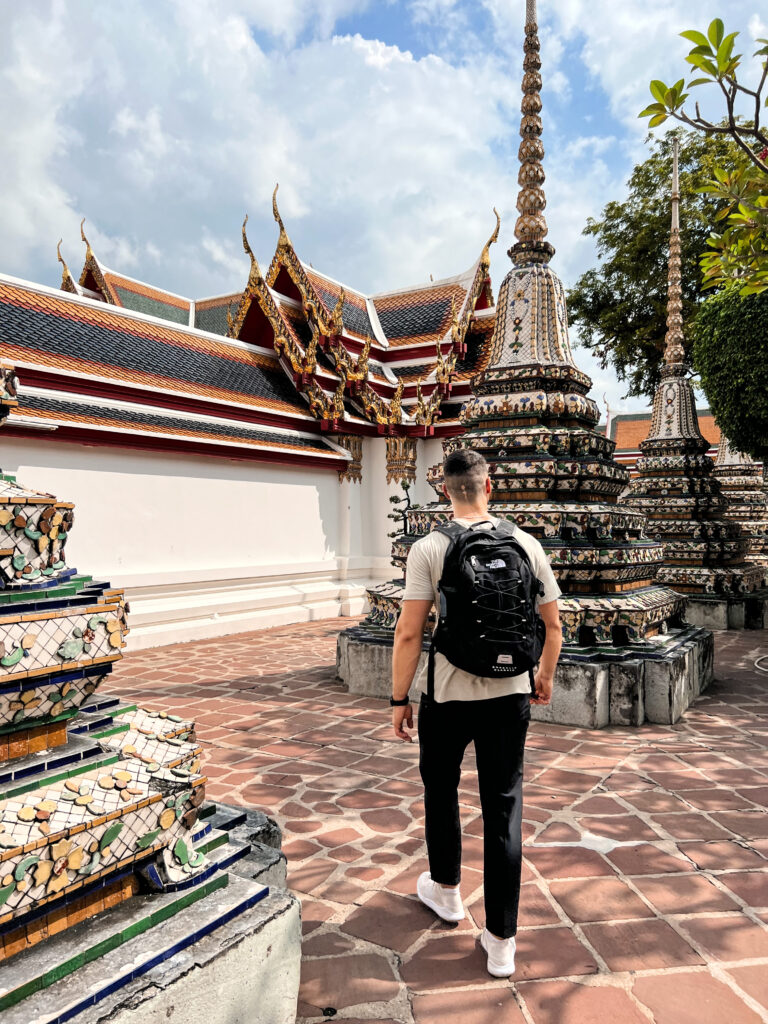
{"x": 337, "y": 315}
{"x": 254, "y": 275}
{"x": 284, "y": 240}
{"x": 485, "y": 258}
{"x": 88, "y": 249}
{"x": 531, "y": 226}
{"x": 67, "y": 281}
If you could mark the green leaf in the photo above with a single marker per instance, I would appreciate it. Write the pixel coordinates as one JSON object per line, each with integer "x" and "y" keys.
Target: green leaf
{"x": 654, "y": 108}
{"x": 703, "y": 64}
{"x": 19, "y": 561}
{"x": 725, "y": 49}
{"x": 23, "y": 866}
{"x": 699, "y": 81}
{"x": 32, "y": 534}
{"x": 658, "y": 90}
{"x": 96, "y": 620}
{"x": 181, "y": 852}
{"x": 145, "y": 841}
{"x": 715, "y": 32}
{"x": 696, "y": 37}
{"x": 110, "y": 834}
{"x": 70, "y": 649}
{"x": 6, "y": 892}
{"x": 658, "y": 119}
{"x": 13, "y": 658}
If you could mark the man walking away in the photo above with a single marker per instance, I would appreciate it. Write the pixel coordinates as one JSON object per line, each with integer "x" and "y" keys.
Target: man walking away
{"x": 459, "y": 707}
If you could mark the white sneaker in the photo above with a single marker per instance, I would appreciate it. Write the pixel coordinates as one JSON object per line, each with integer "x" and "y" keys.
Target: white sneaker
{"x": 501, "y": 954}
{"x": 446, "y": 903}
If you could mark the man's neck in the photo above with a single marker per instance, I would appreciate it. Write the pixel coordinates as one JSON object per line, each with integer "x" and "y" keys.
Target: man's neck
{"x": 474, "y": 511}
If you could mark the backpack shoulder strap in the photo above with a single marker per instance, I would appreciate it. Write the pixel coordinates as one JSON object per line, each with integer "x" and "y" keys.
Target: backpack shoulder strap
{"x": 504, "y": 526}
{"x": 451, "y": 529}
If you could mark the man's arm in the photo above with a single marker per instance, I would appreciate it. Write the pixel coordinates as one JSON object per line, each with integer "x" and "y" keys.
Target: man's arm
{"x": 409, "y": 635}
{"x": 546, "y": 673}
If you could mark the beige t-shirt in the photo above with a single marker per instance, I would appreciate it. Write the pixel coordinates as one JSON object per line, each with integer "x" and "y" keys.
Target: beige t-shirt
{"x": 423, "y": 572}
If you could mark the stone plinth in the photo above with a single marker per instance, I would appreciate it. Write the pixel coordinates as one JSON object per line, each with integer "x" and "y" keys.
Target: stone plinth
{"x": 590, "y": 694}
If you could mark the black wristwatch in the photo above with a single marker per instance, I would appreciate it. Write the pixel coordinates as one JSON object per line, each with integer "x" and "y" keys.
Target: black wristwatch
{"x": 399, "y": 703}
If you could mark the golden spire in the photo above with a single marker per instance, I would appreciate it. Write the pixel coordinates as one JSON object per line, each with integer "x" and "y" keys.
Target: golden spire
{"x": 337, "y": 314}
{"x": 283, "y": 240}
{"x": 88, "y": 249}
{"x": 254, "y": 275}
{"x": 674, "y": 352}
{"x": 531, "y": 226}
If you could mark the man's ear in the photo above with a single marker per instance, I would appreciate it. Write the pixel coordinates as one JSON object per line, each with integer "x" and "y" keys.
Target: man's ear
{"x": 488, "y": 485}
{"x": 445, "y": 492}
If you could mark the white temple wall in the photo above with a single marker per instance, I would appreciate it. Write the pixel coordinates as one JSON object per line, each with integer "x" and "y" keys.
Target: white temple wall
{"x": 206, "y": 547}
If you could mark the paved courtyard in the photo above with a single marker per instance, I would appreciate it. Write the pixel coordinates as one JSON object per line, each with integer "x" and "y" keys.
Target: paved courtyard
{"x": 645, "y": 894}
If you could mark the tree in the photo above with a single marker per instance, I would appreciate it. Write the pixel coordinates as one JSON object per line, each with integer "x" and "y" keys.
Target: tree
{"x": 620, "y": 306}
{"x": 731, "y": 354}
{"x": 739, "y": 253}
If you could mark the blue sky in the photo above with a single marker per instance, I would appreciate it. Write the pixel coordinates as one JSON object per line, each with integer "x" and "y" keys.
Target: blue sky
{"x": 391, "y": 125}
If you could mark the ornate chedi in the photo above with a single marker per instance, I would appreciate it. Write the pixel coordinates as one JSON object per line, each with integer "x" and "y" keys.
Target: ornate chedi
{"x": 704, "y": 550}
{"x": 99, "y": 800}
{"x": 742, "y": 483}
{"x": 531, "y": 418}
{"x": 552, "y": 471}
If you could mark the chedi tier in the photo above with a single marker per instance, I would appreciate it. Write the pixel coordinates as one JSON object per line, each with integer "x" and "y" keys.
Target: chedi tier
{"x": 742, "y": 482}
{"x": 112, "y": 863}
{"x": 704, "y": 550}
{"x": 553, "y": 474}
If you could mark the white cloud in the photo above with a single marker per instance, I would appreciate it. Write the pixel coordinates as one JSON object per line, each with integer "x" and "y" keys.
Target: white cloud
{"x": 165, "y": 123}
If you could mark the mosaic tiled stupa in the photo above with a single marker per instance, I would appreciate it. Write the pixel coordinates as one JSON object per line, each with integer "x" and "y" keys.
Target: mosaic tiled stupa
{"x": 743, "y": 485}
{"x": 552, "y": 471}
{"x": 704, "y": 550}
{"x": 104, "y": 836}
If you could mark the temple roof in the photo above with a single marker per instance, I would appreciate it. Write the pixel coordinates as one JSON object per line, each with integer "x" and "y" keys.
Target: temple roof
{"x": 383, "y": 360}
{"x": 110, "y": 375}
{"x": 81, "y": 336}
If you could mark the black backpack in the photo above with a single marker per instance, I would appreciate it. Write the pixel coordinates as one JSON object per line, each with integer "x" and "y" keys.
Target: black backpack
{"x": 487, "y": 621}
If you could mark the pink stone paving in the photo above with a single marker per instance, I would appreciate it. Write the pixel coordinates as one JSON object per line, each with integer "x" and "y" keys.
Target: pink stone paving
{"x": 645, "y": 881}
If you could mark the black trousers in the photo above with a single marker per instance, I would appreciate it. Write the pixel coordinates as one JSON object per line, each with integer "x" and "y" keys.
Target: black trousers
{"x": 498, "y": 728}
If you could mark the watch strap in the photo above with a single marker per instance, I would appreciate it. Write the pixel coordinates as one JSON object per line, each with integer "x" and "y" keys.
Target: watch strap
{"x": 399, "y": 703}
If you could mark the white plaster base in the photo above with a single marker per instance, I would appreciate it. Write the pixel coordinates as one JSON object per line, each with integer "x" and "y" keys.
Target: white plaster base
{"x": 179, "y": 611}
{"x": 246, "y": 972}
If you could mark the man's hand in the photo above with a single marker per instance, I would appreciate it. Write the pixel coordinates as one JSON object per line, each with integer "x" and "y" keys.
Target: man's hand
{"x": 543, "y": 684}
{"x": 400, "y": 718}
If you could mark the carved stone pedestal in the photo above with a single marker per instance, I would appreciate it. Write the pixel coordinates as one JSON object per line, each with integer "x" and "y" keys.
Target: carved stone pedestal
{"x": 590, "y": 692}
{"x": 747, "y": 611}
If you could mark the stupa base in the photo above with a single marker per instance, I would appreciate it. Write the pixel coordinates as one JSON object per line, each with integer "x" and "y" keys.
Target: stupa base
{"x": 745, "y": 611}
{"x": 225, "y": 949}
{"x": 649, "y": 682}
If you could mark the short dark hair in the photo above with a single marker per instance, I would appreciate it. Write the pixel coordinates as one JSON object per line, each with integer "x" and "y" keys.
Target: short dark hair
{"x": 464, "y": 472}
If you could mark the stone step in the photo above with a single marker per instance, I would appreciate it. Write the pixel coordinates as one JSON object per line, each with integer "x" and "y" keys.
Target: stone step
{"x": 252, "y": 842}
{"x": 102, "y": 721}
{"x": 96, "y": 959}
{"x": 35, "y": 771}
